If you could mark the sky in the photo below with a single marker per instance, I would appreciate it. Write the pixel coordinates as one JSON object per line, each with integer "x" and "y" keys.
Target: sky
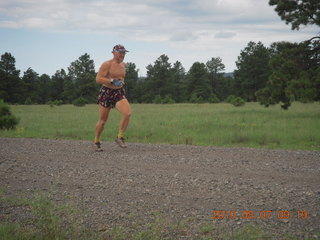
{"x": 47, "y": 35}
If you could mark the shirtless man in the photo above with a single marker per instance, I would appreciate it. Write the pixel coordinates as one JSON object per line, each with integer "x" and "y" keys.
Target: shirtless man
{"x": 112, "y": 95}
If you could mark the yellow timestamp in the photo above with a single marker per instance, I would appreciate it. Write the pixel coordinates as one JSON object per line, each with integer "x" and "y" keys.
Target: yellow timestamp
{"x": 266, "y": 214}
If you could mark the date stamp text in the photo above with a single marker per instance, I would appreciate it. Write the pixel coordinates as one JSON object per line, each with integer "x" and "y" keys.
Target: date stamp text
{"x": 250, "y": 214}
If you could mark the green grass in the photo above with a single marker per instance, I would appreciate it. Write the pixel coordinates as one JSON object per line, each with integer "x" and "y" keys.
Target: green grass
{"x": 198, "y": 124}
{"x": 48, "y": 220}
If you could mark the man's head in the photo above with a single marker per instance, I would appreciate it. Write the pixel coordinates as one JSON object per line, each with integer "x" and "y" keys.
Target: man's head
{"x": 119, "y": 52}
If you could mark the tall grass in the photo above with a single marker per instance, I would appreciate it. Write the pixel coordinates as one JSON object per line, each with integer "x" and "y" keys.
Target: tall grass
{"x": 198, "y": 124}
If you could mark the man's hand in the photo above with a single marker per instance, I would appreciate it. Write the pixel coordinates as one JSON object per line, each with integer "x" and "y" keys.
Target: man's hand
{"x": 116, "y": 82}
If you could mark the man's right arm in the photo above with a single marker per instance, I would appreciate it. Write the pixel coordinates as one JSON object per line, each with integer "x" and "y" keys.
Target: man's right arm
{"x": 102, "y": 74}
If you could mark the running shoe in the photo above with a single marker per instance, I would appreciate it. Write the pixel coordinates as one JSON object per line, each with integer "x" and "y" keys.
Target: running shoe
{"x": 120, "y": 142}
{"x": 97, "y": 146}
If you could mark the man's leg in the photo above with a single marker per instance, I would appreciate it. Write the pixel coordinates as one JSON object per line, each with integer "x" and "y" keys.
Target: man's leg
{"x": 104, "y": 113}
{"x": 124, "y": 108}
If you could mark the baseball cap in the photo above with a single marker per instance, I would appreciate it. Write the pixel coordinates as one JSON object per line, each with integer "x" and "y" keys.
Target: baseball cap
{"x": 119, "y": 48}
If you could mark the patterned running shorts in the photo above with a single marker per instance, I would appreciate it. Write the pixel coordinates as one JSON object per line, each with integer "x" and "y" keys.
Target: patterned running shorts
{"x": 108, "y": 97}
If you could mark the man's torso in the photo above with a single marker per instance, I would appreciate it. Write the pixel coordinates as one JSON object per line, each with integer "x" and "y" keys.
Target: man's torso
{"x": 116, "y": 71}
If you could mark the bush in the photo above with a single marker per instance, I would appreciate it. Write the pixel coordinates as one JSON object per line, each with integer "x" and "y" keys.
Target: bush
{"x": 28, "y": 101}
{"x": 157, "y": 99}
{"x": 238, "y": 102}
{"x": 196, "y": 99}
{"x": 168, "y": 100}
{"x": 230, "y": 99}
{"x": 55, "y": 102}
{"x": 58, "y": 102}
{"x": 7, "y": 120}
{"x": 79, "y": 102}
{"x": 213, "y": 99}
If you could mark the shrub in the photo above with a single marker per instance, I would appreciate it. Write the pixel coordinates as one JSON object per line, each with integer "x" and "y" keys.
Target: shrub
{"x": 196, "y": 99}
{"x": 79, "y": 102}
{"x": 55, "y": 103}
{"x": 213, "y": 99}
{"x": 28, "y": 101}
{"x": 58, "y": 102}
{"x": 50, "y": 103}
{"x": 157, "y": 99}
{"x": 238, "y": 102}
{"x": 7, "y": 120}
{"x": 230, "y": 99}
{"x": 168, "y": 100}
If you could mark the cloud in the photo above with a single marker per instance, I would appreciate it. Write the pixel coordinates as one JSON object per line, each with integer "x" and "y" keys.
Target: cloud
{"x": 8, "y": 24}
{"x": 182, "y": 36}
{"x": 84, "y": 15}
{"x": 188, "y": 30}
{"x": 149, "y": 17}
{"x": 225, "y": 34}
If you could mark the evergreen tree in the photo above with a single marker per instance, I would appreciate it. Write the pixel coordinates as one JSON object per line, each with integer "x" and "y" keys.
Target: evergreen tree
{"x": 57, "y": 85}
{"x": 292, "y": 76}
{"x": 159, "y": 78}
{"x": 30, "y": 85}
{"x": 225, "y": 87}
{"x": 298, "y": 12}
{"x": 10, "y": 85}
{"x": 44, "y": 88}
{"x": 295, "y": 67}
{"x": 253, "y": 70}
{"x": 69, "y": 94}
{"x": 215, "y": 69}
{"x": 131, "y": 82}
{"x": 141, "y": 91}
{"x": 178, "y": 92}
{"x": 82, "y": 74}
{"x": 198, "y": 83}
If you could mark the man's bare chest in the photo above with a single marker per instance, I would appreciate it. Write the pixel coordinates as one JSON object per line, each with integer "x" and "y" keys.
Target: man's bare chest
{"x": 117, "y": 70}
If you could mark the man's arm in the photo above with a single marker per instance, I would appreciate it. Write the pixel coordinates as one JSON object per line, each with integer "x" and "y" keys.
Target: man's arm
{"x": 103, "y": 72}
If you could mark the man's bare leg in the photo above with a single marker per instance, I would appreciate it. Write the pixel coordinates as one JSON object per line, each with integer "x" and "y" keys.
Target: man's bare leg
{"x": 124, "y": 108}
{"x": 104, "y": 114}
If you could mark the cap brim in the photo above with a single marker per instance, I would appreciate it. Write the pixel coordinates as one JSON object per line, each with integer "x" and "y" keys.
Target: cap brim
{"x": 120, "y": 51}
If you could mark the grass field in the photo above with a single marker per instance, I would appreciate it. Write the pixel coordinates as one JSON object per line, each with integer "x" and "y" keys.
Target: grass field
{"x": 197, "y": 124}
{"x": 49, "y": 220}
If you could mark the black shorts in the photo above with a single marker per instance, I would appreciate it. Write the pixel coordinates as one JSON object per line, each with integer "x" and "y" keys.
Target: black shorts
{"x": 108, "y": 97}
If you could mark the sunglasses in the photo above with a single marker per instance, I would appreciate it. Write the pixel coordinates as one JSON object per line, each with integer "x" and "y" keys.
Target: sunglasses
{"x": 121, "y": 51}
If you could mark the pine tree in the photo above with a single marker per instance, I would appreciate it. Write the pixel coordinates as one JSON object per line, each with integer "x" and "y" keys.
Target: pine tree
{"x": 10, "y": 85}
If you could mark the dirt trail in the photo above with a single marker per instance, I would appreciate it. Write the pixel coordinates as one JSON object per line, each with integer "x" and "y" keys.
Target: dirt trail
{"x": 124, "y": 186}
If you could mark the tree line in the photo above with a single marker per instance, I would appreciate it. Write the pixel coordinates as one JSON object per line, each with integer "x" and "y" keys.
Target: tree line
{"x": 281, "y": 73}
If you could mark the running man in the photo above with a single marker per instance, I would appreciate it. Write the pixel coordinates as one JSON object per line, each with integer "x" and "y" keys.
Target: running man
{"x": 112, "y": 95}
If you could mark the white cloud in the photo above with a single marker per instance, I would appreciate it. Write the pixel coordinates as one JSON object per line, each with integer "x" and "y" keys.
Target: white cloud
{"x": 151, "y": 16}
{"x": 8, "y": 24}
{"x": 182, "y": 36}
{"x": 186, "y": 30}
{"x": 225, "y": 34}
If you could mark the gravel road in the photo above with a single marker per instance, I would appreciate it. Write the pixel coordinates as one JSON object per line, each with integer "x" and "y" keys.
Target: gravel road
{"x": 125, "y": 186}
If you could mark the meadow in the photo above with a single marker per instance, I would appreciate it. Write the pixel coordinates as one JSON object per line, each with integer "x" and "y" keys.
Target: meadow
{"x": 219, "y": 124}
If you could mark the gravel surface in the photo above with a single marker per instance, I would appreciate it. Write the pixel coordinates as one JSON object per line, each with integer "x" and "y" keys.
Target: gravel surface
{"x": 123, "y": 187}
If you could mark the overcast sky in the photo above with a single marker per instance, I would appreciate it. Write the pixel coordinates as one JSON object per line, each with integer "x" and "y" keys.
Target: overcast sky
{"x": 47, "y": 35}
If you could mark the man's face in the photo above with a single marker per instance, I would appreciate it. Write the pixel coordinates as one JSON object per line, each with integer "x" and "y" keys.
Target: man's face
{"x": 119, "y": 55}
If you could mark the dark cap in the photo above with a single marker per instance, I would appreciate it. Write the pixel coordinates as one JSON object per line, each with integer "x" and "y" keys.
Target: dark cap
{"x": 119, "y": 48}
